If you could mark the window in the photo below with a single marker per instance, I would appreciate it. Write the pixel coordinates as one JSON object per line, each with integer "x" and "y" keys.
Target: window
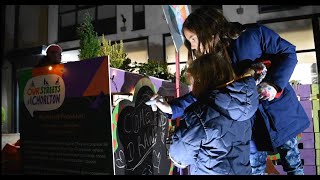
{"x": 300, "y": 33}
{"x": 67, "y": 22}
{"x": 137, "y": 50}
{"x": 170, "y": 54}
{"x": 297, "y": 32}
{"x": 194, "y": 7}
{"x": 70, "y": 16}
{"x": 81, "y": 14}
{"x": 70, "y": 56}
{"x": 308, "y": 67}
{"x": 275, "y": 8}
{"x": 107, "y": 20}
{"x": 138, "y": 17}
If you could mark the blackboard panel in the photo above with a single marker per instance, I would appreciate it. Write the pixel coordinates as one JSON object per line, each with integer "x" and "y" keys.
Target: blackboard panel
{"x": 140, "y": 136}
{"x": 71, "y": 140}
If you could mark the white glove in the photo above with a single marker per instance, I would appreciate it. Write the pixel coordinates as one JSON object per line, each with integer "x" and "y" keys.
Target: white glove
{"x": 157, "y": 101}
{"x": 266, "y": 91}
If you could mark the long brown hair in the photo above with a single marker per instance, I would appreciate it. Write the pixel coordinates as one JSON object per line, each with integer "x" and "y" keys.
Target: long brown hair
{"x": 206, "y": 22}
{"x": 209, "y": 72}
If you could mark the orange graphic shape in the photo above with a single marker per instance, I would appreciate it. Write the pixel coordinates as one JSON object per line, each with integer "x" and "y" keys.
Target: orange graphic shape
{"x": 54, "y": 69}
{"x": 100, "y": 81}
{"x": 183, "y": 13}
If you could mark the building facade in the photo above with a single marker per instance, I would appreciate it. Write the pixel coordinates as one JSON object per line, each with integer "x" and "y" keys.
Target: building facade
{"x": 145, "y": 34}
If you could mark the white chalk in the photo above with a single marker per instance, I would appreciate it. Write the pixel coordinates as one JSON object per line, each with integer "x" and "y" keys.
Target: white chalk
{"x": 154, "y": 101}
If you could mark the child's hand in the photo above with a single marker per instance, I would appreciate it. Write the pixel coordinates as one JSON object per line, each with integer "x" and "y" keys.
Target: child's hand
{"x": 157, "y": 101}
{"x": 260, "y": 71}
{"x": 266, "y": 91}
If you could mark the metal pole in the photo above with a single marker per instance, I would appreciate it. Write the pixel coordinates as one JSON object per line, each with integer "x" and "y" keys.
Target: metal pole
{"x": 177, "y": 74}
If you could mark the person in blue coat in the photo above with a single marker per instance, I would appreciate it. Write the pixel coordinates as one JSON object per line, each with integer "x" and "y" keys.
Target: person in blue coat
{"x": 280, "y": 116}
{"x": 214, "y": 136}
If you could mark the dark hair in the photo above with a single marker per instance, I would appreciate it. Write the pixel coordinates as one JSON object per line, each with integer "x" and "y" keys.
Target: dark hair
{"x": 208, "y": 72}
{"x": 208, "y": 21}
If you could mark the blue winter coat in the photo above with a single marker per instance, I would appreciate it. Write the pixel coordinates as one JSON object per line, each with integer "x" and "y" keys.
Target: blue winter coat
{"x": 214, "y": 136}
{"x": 283, "y": 118}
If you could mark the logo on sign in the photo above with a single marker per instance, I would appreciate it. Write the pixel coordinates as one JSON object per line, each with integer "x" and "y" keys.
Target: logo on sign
{"x": 44, "y": 93}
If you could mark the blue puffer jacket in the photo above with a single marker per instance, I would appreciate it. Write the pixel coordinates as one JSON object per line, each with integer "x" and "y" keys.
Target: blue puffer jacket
{"x": 214, "y": 136}
{"x": 282, "y": 118}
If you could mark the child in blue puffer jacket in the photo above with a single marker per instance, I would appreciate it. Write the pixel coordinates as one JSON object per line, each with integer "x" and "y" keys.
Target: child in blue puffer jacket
{"x": 214, "y": 136}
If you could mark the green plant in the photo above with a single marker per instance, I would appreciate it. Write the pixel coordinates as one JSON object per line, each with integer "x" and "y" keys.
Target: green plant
{"x": 106, "y": 47}
{"x": 154, "y": 68}
{"x": 183, "y": 78}
{"x": 115, "y": 51}
{"x": 89, "y": 42}
{"x": 126, "y": 65}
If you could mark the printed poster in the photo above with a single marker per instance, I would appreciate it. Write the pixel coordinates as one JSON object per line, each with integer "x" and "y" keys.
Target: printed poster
{"x": 65, "y": 116}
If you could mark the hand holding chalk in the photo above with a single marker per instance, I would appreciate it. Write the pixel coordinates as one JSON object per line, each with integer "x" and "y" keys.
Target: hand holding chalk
{"x": 154, "y": 101}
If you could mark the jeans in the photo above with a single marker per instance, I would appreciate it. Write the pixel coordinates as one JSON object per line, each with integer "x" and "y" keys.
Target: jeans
{"x": 289, "y": 156}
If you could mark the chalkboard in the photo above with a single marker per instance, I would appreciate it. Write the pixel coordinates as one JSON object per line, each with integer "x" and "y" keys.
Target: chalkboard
{"x": 140, "y": 133}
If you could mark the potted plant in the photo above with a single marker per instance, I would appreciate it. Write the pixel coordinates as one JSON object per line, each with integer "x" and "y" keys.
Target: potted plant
{"x": 118, "y": 57}
{"x": 89, "y": 42}
{"x": 92, "y": 47}
{"x": 154, "y": 68}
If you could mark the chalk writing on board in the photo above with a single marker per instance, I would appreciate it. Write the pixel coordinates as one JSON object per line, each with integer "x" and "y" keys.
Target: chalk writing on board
{"x": 141, "y": 134}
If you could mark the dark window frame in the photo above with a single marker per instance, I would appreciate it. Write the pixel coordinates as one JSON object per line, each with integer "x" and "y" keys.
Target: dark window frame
{"x": 138, "y": 19}
{"x": 315, "y": 18}
{"x": 164, "y": 36}
{"x": 98, "y": 24}
{"x": 276, "y": 8}
{"x": 194, "y": 7}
